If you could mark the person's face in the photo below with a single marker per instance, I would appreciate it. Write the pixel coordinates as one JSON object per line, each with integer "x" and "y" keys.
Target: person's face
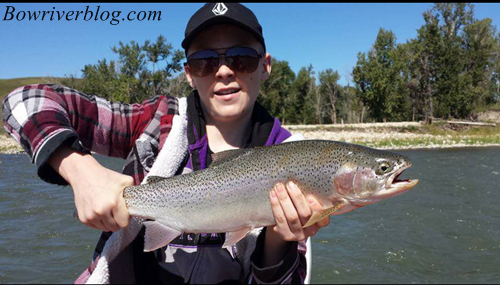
{"x": 228, "y": 95}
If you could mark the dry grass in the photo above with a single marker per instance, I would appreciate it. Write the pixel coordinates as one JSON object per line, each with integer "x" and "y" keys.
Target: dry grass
{"x": 8, "y": 145}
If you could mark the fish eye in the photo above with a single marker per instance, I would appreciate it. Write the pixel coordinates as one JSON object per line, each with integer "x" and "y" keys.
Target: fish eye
{"x": 384, "y": 168}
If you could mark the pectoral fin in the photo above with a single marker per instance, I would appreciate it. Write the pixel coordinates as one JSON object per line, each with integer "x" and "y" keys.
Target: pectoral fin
{"x": 157, "y": 235}
{"x": 234, "y": 237}
{"x": 320, "y": 215}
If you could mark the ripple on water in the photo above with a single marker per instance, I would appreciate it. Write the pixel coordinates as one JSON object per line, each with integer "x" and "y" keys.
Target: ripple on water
{"x": 395, "y": 257}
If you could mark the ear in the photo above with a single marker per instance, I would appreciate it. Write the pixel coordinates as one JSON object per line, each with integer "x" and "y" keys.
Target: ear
{"x": 267, "y": 67}
{"x": 189, "y": 77}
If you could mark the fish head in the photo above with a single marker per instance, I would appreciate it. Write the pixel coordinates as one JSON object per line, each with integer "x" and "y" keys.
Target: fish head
{"x": 368, "y": 176}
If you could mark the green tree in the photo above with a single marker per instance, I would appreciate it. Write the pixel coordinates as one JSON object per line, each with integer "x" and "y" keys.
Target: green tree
{"x": 452, "y": 97}
{"x": 378, "y": 78}
{"x": 177, "y": 86}
{"x": 275, "y": 91}
{"x": 316, "y": 103}
{"x": 480, "y": 47}
{"x": 494, "y": 98}
{"x": 132, "y": 64}
{"x": 104, "y": 79}
{"x": 352, "y": 109}
{"x": 427, "y": 48}
{"x": 420, "y": 67}
{"x": 156, "y": 52}
{"x": 137, "y": 75}
{"x": 331, "y": 91}
{"x": 299, "y": 109}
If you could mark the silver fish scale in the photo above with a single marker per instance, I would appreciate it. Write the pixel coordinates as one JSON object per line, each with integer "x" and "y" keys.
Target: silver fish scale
{"x": 235, "y": 193}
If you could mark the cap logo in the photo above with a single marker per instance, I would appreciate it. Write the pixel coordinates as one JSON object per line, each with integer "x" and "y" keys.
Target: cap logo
{"x": 219, "y": 9}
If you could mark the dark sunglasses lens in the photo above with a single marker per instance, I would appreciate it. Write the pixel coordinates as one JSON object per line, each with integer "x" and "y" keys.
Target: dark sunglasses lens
{"x": 203, "y": 63}
{"x": 241, "y": 59}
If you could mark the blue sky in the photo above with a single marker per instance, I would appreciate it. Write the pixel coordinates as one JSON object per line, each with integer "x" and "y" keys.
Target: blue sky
{"x": 326, "y": 35}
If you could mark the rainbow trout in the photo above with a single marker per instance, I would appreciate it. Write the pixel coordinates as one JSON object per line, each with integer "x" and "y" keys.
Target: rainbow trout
{"x": 232, "y": 195}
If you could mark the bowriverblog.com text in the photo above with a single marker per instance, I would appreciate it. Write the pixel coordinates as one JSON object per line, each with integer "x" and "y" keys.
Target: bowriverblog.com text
{"x": 89, "y": 14}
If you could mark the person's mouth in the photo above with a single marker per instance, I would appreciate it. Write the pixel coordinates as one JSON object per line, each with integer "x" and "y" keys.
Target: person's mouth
{"x": 227, "y": 94}
{"x": 227, "y": 91}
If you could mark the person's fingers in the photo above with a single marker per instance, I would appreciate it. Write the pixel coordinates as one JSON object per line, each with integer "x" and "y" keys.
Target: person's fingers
{"x": 91, "y": 226}
{"x": 121, "y": 214}
{"x": 94, "y": 219}
{"x": 109, "y": 222}
{"x": 103, "y": 212}
{"x": 299, "y": 201}
{"x": 289, "y": 209}
{"x": 85, "y": 221}
{"x": 281, "y": 223}
{"x": 100, "y": 226}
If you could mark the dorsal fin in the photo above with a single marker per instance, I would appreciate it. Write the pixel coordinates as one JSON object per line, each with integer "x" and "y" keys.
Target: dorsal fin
{"x": 227, "y": 155}
{"x": 154, "y": 179}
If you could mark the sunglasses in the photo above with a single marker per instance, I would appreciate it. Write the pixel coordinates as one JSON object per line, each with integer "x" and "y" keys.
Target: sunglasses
{"x": 238, "y": 59}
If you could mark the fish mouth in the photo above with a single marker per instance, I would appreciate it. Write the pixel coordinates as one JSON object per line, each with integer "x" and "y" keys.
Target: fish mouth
{"x": 395, "y": 186}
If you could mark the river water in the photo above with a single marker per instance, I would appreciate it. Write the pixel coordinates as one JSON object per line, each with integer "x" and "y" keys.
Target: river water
{"x": 445, "y": 230}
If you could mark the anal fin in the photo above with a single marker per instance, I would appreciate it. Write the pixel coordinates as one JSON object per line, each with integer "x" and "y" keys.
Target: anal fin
{"x": 234, "y": 237}
{"x": 320, "y": 215}
{"x": 158, "y": 235}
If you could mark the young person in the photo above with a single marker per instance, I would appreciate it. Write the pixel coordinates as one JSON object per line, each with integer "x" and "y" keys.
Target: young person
{"x": 226, "y": 64}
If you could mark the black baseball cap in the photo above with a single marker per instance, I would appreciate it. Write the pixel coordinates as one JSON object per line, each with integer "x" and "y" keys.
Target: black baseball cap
{"x": 222, "y": 13}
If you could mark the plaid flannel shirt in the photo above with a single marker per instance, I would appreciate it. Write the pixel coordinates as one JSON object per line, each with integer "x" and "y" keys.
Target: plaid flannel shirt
{"x": 42, "y": 117}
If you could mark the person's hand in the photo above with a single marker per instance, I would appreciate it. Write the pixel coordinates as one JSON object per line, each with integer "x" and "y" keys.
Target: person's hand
{"x": 99, "y": 199}
{"x": 98, "y": 191}
{"x": 292, "y": 210}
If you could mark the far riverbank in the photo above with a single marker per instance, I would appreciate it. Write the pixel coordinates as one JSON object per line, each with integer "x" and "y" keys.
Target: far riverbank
{"x": 401, "y": 135}
{"x": 404, "y": 135}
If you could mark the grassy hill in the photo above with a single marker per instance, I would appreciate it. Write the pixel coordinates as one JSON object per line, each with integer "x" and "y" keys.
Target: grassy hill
{"x": 8, "y": 85}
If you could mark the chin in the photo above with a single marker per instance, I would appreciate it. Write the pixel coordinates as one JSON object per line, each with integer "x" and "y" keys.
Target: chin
{"x": 229, "y": 113}
{"x": 231, "y": 110}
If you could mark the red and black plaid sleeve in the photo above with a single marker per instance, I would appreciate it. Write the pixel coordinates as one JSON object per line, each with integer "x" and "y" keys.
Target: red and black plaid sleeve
{"x": 42, "y": 117}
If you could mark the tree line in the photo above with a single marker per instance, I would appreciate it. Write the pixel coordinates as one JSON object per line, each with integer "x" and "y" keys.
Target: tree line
{"x": 449, "y": 70}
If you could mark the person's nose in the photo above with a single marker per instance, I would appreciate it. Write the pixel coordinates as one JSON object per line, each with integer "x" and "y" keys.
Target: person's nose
{"x": 223, "y": 72}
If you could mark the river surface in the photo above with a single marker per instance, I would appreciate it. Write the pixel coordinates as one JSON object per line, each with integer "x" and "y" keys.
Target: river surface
{"x": 445, "y": 230}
